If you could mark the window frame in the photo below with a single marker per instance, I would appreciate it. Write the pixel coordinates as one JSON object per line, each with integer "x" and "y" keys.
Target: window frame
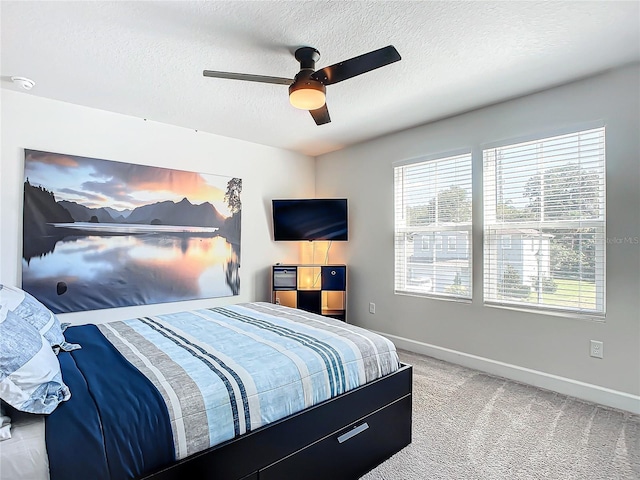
{"x": 435, "y": 230}
{"x": 598, "y": 313}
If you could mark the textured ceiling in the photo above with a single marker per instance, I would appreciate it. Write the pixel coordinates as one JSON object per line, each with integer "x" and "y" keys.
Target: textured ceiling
{"x": 146, "y": 59}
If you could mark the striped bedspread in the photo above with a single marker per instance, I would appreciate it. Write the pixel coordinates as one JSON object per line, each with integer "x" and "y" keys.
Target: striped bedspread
{"x": 229, "y": 370}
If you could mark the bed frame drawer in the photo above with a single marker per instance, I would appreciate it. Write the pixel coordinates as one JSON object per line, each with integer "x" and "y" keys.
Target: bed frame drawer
{"x": 284, "y": 439}
{"x": 352, "y": 451}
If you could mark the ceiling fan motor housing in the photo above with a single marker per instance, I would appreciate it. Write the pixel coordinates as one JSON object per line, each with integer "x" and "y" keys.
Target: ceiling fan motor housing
{"x": 307, "y": 100}
{"x": 303, "y": 81}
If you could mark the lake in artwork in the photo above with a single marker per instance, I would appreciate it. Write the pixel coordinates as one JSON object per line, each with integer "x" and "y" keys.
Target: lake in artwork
{"x": 102, "y": 234}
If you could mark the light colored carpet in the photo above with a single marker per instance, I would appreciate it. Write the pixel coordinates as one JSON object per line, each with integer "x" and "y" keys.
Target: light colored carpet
{"x": 469, "y": 425}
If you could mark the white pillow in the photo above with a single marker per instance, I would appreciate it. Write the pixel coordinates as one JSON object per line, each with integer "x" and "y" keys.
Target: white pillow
{"x": 31, "y": 310}
{"x": 30, "y": 378}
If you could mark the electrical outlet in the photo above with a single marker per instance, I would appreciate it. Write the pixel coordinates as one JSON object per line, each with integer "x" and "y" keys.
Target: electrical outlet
{"x": 372, "y": 307}
{"x": 597, "y": 349}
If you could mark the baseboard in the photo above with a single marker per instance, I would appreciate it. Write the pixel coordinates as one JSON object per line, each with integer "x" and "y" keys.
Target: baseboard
{"x": 566, "y": 386}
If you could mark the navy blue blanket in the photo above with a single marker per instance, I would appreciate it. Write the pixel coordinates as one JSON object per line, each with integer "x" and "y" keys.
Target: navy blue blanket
{"x": 116, "y": 424}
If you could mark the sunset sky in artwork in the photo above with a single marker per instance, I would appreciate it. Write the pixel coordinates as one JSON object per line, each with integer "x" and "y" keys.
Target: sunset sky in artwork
{"x": 98, "y": 183}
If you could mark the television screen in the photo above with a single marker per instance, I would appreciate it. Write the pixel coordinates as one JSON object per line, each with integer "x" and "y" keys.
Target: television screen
{"x": 310, "y": 219}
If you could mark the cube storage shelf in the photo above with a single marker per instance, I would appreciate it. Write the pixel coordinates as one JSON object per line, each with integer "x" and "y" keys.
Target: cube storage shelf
{"x": 319, "y": 289}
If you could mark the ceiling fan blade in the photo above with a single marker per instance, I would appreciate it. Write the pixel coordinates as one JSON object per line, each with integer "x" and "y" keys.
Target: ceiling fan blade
{"x": 357, "y": 65}
{"x": 248, "y": 77}
{"x": 321, "y": 115}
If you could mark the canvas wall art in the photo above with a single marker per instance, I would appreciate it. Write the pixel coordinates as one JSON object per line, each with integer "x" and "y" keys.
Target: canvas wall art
{"x": 101, "y": 234}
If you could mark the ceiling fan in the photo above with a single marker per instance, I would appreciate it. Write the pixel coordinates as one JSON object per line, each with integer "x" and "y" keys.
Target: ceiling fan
{"x": 307, "y": 89}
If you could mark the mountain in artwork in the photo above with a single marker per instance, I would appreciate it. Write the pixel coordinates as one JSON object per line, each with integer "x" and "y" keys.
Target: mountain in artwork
{"x": 41, "y": 208}
{"x": 80, "y": 213}
{"x": 180, "y": 213}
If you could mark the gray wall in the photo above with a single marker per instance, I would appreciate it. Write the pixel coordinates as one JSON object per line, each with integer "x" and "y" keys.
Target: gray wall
{"x": 551, "y": 344}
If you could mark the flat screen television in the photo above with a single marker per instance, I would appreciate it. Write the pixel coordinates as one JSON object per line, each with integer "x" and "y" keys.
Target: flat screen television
{"x": 310, "y": 219}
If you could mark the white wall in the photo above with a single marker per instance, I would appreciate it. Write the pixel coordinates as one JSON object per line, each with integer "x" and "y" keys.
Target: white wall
{"x": 507, "y": 342}
{"x": 41, "y": 124}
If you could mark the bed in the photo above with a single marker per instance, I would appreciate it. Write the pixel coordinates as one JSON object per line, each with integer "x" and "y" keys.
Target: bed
{"x": 271, "y": 393}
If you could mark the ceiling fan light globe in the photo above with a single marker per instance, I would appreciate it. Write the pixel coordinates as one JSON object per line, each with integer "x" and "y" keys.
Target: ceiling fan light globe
{"x": 307, "y": 95}
{"x": 307, "y": 99}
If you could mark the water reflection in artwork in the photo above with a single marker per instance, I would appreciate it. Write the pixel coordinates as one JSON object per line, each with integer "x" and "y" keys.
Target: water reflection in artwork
{"x": 156, "y": 268}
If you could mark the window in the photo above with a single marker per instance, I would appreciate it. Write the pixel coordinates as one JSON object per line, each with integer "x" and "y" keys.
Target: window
{"x": 433, "y": 200}
{"x": 548, "y": 198}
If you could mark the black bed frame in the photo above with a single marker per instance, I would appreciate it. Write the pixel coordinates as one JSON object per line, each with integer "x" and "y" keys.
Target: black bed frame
{"x": 341, "y": 438}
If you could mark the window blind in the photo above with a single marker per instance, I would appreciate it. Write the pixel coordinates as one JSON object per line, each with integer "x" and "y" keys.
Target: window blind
{"x": 433, "y": 227}
{"x": 544, "y": 223}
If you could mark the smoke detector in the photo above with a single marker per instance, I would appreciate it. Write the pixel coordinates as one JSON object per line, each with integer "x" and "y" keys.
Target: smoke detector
{"x": 24, "y": 82}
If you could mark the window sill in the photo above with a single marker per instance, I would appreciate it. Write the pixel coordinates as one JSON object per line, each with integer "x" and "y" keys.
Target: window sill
{"x": 594, "y": 317}
{"x": 432, "y": 296}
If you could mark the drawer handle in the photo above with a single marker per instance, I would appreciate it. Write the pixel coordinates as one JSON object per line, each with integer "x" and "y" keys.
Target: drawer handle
{"x": 352, "y": 433}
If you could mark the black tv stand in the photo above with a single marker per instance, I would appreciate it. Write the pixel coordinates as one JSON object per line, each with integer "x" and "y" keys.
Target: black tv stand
{"x": 318, "y": 289}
